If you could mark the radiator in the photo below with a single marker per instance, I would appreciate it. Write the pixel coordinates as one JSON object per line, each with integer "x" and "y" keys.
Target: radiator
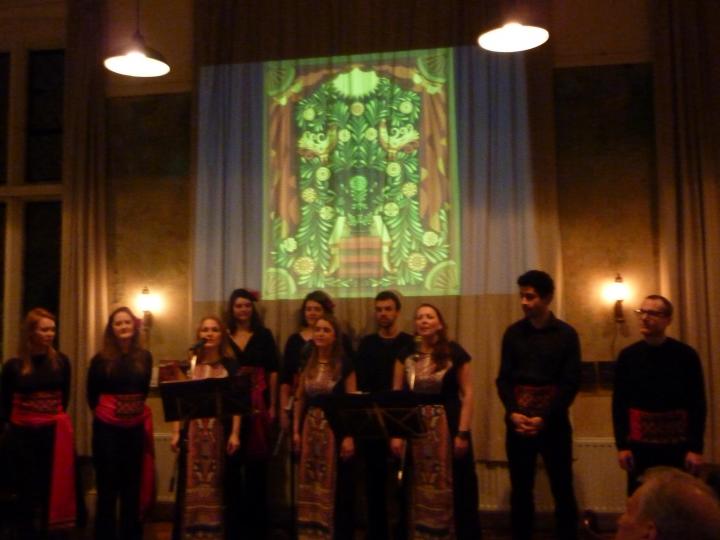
{"x": 599, "y": 481}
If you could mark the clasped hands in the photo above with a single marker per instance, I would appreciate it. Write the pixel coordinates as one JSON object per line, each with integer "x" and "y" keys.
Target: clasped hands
{"x": 526, "y": 426}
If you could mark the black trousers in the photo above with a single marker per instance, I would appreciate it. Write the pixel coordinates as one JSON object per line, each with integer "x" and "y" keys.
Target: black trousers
{"x": 31, "y": 451}
{"x": 646, "y": 456}
{"x": 117, "y": 457}
{"x": 374, "y": 455}
{"x": 554, "y": 444}
{"x": 246, "y": 497}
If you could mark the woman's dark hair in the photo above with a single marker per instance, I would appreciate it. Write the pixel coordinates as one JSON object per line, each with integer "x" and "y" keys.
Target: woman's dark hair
{"x": 32, "y": 319}
{"x": 441, "y": 349}
{"x": 336, "y": 353}
{"x": 111, "y": 350}
{"x": 255, "y": 320}
{"x": 322, "y": 298}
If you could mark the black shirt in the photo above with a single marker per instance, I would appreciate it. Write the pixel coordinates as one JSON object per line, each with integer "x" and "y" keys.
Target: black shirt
{"x": 42, "y": 378}
{"x": 259, "y": 351}
{"x": 659, "y": 378}
{"x": 125, "y": 376}
{"x": 376, "y": 359}
{"x": 538, "y": 357}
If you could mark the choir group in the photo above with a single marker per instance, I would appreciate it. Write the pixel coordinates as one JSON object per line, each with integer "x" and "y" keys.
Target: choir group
{"x": 223, "y": 461}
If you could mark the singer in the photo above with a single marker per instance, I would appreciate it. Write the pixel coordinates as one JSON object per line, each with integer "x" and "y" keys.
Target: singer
{"x": 117, "y": 386}
{"x": 444, "y": 498}
{"x": 375, "y": 364}
{"x": 256, "y": 354}
{"x": 200, "y": 506}
{"x": 35, "y": 392}
{"x": 299, "y": 346}
{"x": 325, "y": 489}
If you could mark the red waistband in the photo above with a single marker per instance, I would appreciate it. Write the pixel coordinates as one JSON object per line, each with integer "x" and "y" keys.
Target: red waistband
{"x": 665, "y": 427}
{"x": 123, "y": 410}
{"x": 535, "y": 400}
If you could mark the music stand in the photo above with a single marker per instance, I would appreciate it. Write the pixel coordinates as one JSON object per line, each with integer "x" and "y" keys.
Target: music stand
{"x": 377, "y": 415}
{"x": 184, "y": 400}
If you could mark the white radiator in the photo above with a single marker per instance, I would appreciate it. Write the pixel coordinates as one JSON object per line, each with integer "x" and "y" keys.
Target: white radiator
{"x": 599, "y": 481}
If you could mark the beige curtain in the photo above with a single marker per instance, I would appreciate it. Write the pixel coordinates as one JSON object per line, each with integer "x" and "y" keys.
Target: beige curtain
{"x": 83, "y": 294}
{"x": 688, "y": 144}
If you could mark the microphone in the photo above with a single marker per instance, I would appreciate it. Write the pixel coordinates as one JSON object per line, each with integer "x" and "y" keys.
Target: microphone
{"x": 195, "y": 346}
{"x": 410, "y": 363}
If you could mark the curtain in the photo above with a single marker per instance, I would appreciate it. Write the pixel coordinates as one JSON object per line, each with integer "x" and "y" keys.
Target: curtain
{"x": 83, "y": 290}
{"x": 507, "y": 221}
{"x": 688, "y": 148}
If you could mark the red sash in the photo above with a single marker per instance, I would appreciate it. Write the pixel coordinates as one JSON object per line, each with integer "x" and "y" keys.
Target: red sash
{"x": 258, "y": 444}
{"x": 535, "y": 400}
{"x": 40, "y": 409}
{"x": 667, "y": 427}
{"x": 129, "y": 410}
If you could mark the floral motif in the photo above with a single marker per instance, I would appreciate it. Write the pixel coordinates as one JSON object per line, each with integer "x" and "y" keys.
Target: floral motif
{"x": 309, "y": 195}
{"x": 393, "y": 169}
{"x": 357, "y": 108}
{"x": 289, "y": 244}
{"x": 430, "y": 238}
{"x": 309, "y": 114}
{"x": 417, "y": 262}
{"x": 371, "y": 134}
{"x": 406, "y": 107}
{"x": 409, "y": 189}
{"x": 344, "y": 135}
{"x": 327, "y": 213}
{"x": 358, "y": 183}
{"x": 322, "y": 174}
{"x": 391, "y": 209}
{"x": 303, "y": 265}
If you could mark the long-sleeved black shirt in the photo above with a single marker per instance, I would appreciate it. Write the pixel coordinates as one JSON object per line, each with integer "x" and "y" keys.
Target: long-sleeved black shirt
{"x": 538, "y": 357}
{"x": 659, "y": 378}
{"x": 41, "y": 378}
{"x": 376, "y": 357}
{"x": 123, "y": 377}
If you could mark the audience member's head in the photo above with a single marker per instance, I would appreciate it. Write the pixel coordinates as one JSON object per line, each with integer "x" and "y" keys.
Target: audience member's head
{"x": 671, "y": 505}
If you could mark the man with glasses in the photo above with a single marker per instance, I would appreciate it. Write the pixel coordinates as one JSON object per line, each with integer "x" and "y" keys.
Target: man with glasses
{"x": 658, "y": 404}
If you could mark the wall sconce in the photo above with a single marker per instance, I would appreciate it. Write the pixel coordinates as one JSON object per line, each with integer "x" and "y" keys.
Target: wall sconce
{"x": 616, "y": 292}
{"x": 138, "y": 60}
{"x": 148, "y": 303}
{"x": 518, "y": 25}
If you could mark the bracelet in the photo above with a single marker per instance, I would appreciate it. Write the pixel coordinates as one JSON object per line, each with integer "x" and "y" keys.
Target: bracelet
{"x": 464, "y": 435}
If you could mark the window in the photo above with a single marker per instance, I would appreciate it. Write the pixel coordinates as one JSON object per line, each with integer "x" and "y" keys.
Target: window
{"x": 31, "y": 100}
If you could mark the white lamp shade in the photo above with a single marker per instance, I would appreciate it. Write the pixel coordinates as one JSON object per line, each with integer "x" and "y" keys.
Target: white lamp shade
{"x": 138, "y": 61}
{"x": 513, "y": 37}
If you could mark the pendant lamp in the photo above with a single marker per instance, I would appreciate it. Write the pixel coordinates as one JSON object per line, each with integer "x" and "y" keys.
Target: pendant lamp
{"x": 517, "y": 25}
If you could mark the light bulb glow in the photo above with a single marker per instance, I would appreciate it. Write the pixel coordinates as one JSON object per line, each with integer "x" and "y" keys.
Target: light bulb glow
{"x": 136, "y": 64}
{"x": 616, "y": 290}
{"x": 513, "y": 37}
{"x": 148, "y": 302}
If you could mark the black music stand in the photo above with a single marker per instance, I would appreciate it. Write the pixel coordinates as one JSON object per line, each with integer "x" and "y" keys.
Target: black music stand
{"x": 377, "y": 415}
{"x": 221, "y": 397}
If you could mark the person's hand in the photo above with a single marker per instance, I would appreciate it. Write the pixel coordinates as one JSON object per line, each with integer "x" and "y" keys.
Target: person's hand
{"x": 460, "y": 446}
{"x": 175, "y": 441}
{"x": 297, "y": 442}
{"x": 626, "y": 460}
{"x": 347, "y": 448}
{"x": 397, "y": 445}
{"x": 233, "y": 444}
{"x": 693, "y": 463}
{"x": 525, "y": 426}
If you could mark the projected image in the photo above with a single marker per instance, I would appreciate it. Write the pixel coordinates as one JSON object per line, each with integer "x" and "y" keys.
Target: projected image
{"x": 361, "y": 181}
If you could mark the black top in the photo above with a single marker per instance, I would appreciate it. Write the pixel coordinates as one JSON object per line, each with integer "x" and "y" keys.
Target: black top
{"x": 659, "y": 378}
{"x": 376, "y": 359}
{"x": 260, "y": 351}
{"x": 124, "y": 377}
{"x": 42, "y": 378}
{"x": 538, "y": 357}
{"x": 297, "y": 351}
